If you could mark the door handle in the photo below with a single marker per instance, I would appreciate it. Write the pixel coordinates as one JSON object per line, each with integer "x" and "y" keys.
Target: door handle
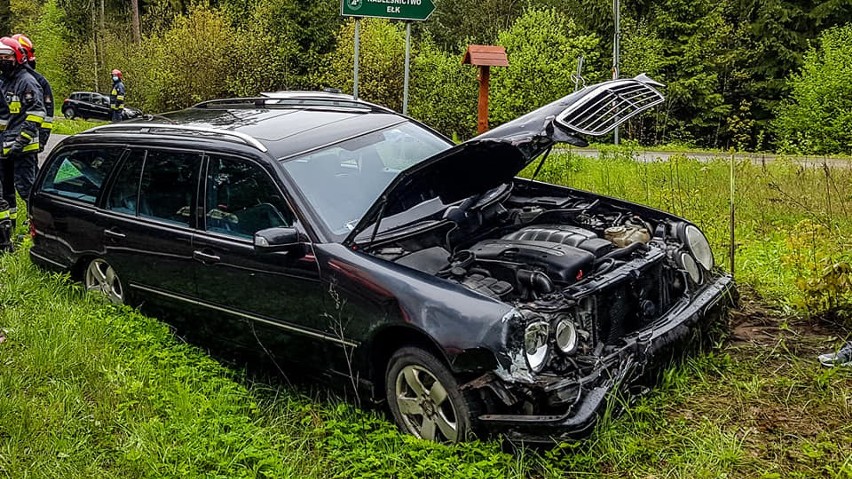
{"x": 205, "y": 257}
{"x": 114, "y": 234}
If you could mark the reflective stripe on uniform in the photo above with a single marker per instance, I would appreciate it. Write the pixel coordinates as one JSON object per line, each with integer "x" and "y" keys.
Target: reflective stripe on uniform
{"x": 36, "y": 118}
{"x": 26, "y": 135}
{"x": 47, "y": 126}
{"x": 27, "y": 148}
{"x": 13, "y": 213}
{"x": 14, "y": 107}
{"x": 4, "y": 215}
{"x": 119, "y": 97}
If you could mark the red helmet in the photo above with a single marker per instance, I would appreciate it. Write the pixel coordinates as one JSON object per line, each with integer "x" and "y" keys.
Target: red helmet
{"x": 26, "y": 44}
{"x": 117, "y": 72}
{"x": 12, "y": 47}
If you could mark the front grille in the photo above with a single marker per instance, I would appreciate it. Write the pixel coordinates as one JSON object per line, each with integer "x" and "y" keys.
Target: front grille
{"x": 630, "y": 304}
{"x": 609, "y": 105}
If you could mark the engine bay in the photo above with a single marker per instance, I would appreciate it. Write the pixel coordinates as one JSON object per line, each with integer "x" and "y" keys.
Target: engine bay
{"x": 516, "y": 247}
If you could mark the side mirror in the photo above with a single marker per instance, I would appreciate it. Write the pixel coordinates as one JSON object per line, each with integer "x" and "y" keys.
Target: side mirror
{"x": 271, "y": 240}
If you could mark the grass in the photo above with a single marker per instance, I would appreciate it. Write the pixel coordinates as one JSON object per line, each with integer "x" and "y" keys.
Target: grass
{"x": 64, "y": 126}
{"x": 88, "y": 389}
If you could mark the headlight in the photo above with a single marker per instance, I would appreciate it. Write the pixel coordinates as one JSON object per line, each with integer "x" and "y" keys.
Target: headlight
{"x": 566, "y": 336}
{"x": 699, "y": 247}
{"x": 535, "y": 344}
{"x": 686, "y": 262}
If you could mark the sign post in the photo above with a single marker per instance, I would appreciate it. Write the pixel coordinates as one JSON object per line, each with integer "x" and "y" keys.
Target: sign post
{"x": 407, "y": 67}
{"x": 357, "y": 55}
{"x": 408, "y": 10}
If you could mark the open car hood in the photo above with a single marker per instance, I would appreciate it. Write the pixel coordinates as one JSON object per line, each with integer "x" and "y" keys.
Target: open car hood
{"x": 497, "y": 156}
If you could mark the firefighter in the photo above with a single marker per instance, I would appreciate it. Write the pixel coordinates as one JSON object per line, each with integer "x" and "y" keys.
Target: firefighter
{"x": 116, "y": 96}
{"x": 47, "y": 125}
{"x": 23, "y": 116}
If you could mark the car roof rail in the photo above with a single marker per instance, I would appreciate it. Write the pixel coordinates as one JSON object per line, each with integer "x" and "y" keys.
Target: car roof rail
{"x": 133, "y": 127}
{"x": 297, "y": 100}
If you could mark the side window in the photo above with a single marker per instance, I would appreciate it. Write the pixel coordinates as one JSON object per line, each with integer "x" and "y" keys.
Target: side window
{"x": 156, "y": 184}
{"x": 86, "y": 97}
{"x": 242, "y": 199}
{"x": 79, "y": 174}
{"x": 169, "y": 182}
{"x": 124, "y": 196}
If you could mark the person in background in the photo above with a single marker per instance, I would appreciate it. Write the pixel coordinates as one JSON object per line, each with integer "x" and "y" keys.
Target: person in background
{"x": 116, "y": 96}
{"x": 21, "y": 115}
{"x": 47, "y": 125}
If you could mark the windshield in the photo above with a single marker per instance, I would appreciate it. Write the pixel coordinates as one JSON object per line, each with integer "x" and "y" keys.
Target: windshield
{"x": 341, "y": 181}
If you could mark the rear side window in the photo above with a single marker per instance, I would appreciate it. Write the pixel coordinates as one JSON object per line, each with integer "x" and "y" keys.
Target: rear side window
{"x": 79, "y": 174}
{"x": 160, "y": 185}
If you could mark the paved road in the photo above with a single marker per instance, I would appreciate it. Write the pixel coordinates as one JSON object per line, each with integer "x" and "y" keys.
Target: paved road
{"x": 51, "y": 142}
{"x": 645, "y": 156}
{"x": 650, "y": 156}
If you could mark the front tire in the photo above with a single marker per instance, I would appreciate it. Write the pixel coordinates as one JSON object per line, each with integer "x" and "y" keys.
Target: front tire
{"x": 101, "y": 277}
{"x": 424, "y": 398}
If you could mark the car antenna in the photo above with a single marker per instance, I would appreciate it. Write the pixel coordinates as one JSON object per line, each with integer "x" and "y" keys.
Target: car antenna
{"x": 541, "y": 163}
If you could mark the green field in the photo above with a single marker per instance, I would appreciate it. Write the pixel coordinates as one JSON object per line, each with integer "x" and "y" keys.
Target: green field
{"x": 88, "y": 389}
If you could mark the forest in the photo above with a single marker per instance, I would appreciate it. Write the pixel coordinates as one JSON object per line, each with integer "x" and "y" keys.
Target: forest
{"x": 768, "y": 75}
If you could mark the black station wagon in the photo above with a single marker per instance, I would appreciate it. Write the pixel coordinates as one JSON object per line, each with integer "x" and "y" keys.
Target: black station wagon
{"x": 341, "y": 236}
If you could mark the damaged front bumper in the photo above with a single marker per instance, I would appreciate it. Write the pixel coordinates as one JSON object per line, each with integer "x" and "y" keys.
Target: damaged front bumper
{"x": 584, "y": 399}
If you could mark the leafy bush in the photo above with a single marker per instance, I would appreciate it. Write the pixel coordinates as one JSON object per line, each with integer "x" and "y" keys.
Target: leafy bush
{"x": 443, "y": 91}
{"x": 382, "y": 62}
{"x": 817, "y": 118}
{"x": 542, "y": 46}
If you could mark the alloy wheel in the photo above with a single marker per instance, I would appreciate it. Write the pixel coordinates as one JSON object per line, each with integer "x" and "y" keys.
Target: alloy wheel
{"x": 427, "y": 411}
{"x": 100, "y": 276}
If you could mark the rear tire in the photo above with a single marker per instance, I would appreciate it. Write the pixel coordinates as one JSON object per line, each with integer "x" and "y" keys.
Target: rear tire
{"x": 425, "y": 400}
{"x": 69, "y": 113}
{"x": 100, "y": 277}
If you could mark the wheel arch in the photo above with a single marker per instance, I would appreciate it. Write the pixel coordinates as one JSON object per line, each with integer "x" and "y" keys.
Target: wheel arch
{"x": 464, "y": 364}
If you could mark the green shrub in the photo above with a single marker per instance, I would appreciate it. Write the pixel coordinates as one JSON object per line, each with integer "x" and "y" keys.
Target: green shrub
{"x": 443, "y": 91}
{"x": 542, "y": 46}
{"x": 817, "y": 118}
{"x": 381, "y": 66}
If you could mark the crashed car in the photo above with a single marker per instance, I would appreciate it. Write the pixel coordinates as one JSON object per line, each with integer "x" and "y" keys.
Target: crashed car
{"x": 337, "y": 235}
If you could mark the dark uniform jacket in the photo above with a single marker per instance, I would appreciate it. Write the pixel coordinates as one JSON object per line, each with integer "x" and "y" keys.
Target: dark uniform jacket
{"x": 116, "y": 96}
{"x": 23, "y": 112}
{"x": 47, "y": 125}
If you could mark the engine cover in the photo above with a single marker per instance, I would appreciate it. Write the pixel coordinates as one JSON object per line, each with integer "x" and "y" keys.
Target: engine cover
{"x": 564, "y": 234}
{"x": 562, "y": 263}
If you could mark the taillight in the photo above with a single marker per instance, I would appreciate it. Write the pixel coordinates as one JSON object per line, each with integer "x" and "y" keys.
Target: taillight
{"x": 32, "y": 229}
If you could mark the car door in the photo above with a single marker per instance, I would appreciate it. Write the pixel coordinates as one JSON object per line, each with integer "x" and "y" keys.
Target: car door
{"x": 275, "y": 298}
{"x": 100, "y": 107}
{"x": 63, "y": 204}
{"x": 84, "y": 106}
{"x": 147, "y": 223}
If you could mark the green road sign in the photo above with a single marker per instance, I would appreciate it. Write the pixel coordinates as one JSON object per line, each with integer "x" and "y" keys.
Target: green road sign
{"x": 416, "y": 10}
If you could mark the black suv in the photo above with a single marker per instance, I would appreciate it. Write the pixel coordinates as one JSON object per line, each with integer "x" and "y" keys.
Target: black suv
{"x": 341, "y": 236}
